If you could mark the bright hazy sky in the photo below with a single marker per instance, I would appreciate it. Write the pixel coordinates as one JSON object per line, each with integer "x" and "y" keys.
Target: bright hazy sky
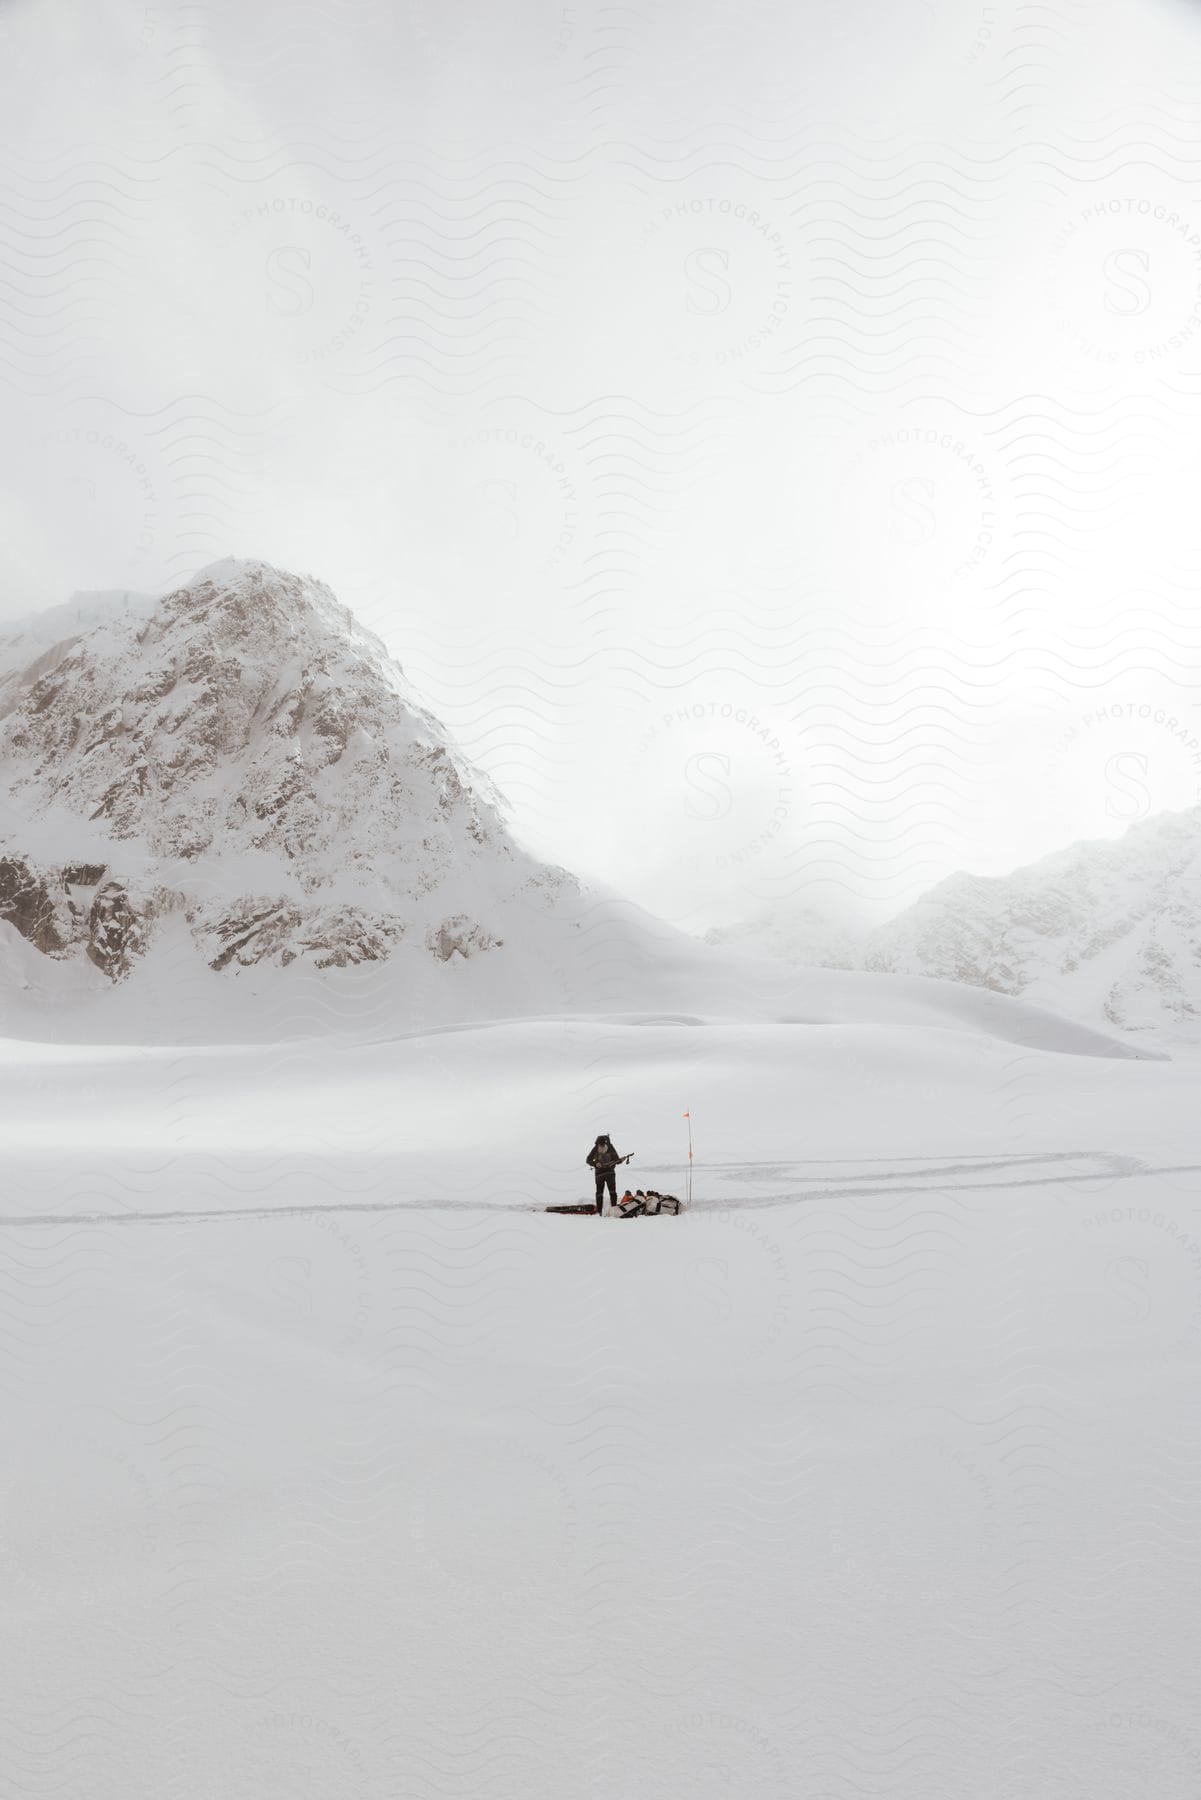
{"x": 766, "y": 434}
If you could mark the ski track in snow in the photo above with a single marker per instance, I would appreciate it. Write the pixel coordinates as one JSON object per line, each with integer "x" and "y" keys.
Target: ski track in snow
{"x": 1032, "y": 1171}
{"x": 876, "y": 1471}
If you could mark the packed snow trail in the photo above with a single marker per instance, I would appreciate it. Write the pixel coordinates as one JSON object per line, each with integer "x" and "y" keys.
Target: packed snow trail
{"x": 1046, "y": 1172}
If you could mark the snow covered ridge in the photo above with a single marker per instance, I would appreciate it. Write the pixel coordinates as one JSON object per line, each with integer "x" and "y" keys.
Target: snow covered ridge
{"x": 224, "y": 816}
{"x": 1107, "y": 931}
{"x": 242, "y": 753}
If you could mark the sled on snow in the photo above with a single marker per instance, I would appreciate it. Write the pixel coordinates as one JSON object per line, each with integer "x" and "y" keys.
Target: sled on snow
{"x": 647, "y": 1205}
{"x": 643, "y": 1205}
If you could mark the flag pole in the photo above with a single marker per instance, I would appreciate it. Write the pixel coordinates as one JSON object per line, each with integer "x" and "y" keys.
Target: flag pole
{"x": 688, "y": 1116}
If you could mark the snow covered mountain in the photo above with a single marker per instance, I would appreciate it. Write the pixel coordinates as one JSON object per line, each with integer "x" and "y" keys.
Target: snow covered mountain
{"x": 241, "y": 754}
{"x": 1108, "y": 932}
{"x": 224, "y": 816}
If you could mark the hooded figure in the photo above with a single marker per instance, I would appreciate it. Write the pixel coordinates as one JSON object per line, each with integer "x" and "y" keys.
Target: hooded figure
{"x": 603, "y": 1159}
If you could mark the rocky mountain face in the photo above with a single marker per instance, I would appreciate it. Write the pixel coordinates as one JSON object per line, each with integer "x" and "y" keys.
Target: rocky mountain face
{"x": 74, "y": 906}
{"x": 240, "y": 753}
{"x": 202, "y": 790}
{"x": 1108, "y": 932}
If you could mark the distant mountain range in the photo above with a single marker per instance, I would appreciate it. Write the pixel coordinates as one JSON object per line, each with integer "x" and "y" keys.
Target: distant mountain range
{"x": 1108, "y": 932}
{"x": 224, "y": 814}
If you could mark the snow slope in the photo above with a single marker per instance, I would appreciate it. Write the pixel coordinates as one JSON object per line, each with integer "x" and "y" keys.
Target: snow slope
{"x": 1107, "y": 932}
{"x": 227, "y": 817}
{"x": 334, "y": 1470}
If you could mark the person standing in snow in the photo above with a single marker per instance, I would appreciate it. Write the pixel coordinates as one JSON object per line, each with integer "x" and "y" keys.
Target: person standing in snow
{"x": 603, "y": 1159}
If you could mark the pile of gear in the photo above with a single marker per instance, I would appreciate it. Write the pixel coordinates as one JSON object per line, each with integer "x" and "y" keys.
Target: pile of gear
{"x": 633, "y": 1206}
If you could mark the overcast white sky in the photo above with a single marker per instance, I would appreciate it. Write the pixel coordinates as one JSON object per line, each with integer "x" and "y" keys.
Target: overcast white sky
{"x": 767, "y": 434}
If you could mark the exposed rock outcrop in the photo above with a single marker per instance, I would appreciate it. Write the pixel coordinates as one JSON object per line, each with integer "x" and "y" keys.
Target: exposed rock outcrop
{"x": 248, "y": 755}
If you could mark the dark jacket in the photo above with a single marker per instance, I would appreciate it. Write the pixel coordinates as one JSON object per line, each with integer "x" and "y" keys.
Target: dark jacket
{"x": 602, "y": 1156}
